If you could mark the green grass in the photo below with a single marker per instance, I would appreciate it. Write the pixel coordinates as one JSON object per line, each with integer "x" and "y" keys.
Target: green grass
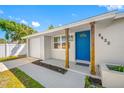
{"x": 116, "y": 68}
{"x": 8, "y": 58}
{"x": 4, "y": 59}
{"x": 15, "y": 78}
{"x": 88, "y": 83}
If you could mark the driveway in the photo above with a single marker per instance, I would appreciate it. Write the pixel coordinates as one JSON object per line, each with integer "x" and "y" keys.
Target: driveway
{"x": 52, "y": 79}
{"x": 15, "y": 63}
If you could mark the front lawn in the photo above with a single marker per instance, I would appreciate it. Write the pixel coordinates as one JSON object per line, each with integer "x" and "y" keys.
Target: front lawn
{"x": 15, "y": 78}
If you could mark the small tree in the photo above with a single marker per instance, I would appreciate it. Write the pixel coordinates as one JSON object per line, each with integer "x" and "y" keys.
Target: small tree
{"x": 51, "y": 27}
{"x": 14, "y": 31}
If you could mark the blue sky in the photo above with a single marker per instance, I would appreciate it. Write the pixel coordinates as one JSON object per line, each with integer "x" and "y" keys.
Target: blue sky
{"x": 40, "y": 17}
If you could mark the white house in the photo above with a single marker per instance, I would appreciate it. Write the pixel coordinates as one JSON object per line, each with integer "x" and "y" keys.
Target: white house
{"x": 93, "y": 41}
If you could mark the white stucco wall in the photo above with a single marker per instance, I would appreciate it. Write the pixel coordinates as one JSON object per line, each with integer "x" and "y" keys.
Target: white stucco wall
{"x": 42, "y": 49}
{"x": 113, "y": 32}
{"x": 47, "y": 47}
{"x": 60, "y": 53}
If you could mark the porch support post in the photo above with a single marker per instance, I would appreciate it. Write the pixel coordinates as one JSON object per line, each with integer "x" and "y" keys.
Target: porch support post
{"x": 93, "y": 70}
{"x": 67, "y": 48}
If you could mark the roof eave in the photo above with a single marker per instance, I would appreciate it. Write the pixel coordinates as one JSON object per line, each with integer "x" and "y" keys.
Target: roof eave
{"x": 86, "y": 21}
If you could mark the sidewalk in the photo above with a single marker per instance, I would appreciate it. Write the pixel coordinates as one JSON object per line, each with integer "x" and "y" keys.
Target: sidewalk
{"x": 15, "y": 63}
{"x": 52, "y": 79}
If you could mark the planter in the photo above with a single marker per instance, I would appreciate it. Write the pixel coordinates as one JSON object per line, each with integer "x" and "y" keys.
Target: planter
{"x": 111, "y": 78}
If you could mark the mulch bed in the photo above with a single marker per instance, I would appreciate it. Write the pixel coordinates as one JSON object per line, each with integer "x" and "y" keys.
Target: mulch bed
{"x": 51, "y": 67}
{"x": 95, "y": 81}
{"x": 91, "y": 82}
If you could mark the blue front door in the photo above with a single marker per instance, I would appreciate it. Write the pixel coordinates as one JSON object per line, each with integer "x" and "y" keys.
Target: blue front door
{"x": 83, "y": 45}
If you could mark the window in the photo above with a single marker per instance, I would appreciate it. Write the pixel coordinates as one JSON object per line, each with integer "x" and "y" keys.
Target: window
{"x": 70, "y": 38}
{"x": 60, "y": 41}
{"x": 56, "y": 42}
{"x": 63, "y": 42}
{"x": 56, "y": 45}
{"x": 57, "y": 39}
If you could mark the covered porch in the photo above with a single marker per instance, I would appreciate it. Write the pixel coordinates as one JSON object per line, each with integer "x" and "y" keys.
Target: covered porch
{"x": 56, "y": 48}
{"x": 62, "y": 52}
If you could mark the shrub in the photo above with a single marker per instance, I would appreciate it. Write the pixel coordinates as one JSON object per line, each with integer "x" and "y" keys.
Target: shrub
{"x": 116, "y": 68}
{"x": 8, "y": 58}
{"x": 87, "y": 82}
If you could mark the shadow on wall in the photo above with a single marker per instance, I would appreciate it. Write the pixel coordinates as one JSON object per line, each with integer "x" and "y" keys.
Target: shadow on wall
{"x": 15, "y": 49}
{"x": 18, "y": 49}
{"x": 12, "y": 50}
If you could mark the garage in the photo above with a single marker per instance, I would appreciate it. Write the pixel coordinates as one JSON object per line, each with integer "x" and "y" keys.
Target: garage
{"x": 35, "y": 47}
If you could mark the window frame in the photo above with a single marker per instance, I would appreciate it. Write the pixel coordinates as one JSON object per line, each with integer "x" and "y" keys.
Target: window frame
{"x": 61, "y": 42}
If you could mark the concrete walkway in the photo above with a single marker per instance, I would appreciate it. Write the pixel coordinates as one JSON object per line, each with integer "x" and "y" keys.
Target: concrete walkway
{"x": 15, "y": 63}
{"x": 46, "y": 77}
{"x": 52, "y": 79}
{"x": 81, "y": 69}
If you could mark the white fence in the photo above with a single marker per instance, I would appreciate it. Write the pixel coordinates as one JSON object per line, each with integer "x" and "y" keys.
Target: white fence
{"x": 12, "y": 50}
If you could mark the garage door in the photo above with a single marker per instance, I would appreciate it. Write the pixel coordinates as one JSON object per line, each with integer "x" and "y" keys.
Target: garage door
{"x": 35, "y": 47}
